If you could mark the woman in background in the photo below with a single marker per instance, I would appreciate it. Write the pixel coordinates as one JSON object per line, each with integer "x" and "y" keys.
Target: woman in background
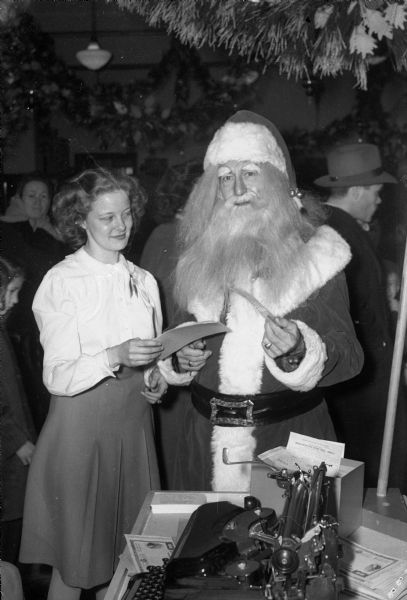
{"x": 29, "y": 211}
{"x": 95, "y": 459}
{"x": 28, "y": 217}
{"x": 16, "y": 426}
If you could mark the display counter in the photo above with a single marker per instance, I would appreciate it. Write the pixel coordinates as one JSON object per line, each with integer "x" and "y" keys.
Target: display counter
{"x": 382, "y": 525}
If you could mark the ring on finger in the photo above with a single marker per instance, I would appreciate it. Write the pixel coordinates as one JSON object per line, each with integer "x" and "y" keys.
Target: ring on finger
{"x": 189, "y": 363}
{"x": 267, "y": 345}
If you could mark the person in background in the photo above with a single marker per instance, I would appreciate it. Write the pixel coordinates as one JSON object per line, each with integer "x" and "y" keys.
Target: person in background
{"x": 17, "y": 429}
{"x": 28, "y": 218}
{"x": 159, "y": 256}
{"x": 252, "y": 259}
{"x": 355, "y": 180}
{"x": 392, "y": 214}
{"x": 29, "y": 210}
{"x": 98, "y": 315}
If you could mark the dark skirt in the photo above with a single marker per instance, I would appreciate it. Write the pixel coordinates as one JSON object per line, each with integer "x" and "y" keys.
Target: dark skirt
{"x": 93, "y": 465}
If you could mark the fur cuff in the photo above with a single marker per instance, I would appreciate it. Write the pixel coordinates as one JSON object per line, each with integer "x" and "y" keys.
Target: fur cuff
{"x": 311, "y": 367}
{"x": 241, "y": 445}
{"x": 147, "y": 373}
{"x": 171, "y": 376}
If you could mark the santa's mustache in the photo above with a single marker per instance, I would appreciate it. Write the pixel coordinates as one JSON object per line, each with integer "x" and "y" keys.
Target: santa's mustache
{"x": 246, "y": 198}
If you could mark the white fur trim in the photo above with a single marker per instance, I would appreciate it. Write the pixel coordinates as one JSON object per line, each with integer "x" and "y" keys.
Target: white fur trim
{"x": 241, "y": 445}
{"x": 325, "y": 255}
{"x": 241, "y": 360}
{"x": 147, "y": 373}
{"x": 171, "y": 376}
{"x": 244, "y": 141}
{"x": 309, "y": 371}
{"x": 241, "y": 354}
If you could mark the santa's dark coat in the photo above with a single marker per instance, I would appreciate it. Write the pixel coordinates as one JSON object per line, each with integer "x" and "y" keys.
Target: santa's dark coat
{"x": 317, "y": 300}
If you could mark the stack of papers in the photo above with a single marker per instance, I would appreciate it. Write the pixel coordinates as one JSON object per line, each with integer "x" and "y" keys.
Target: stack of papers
{"x": 174, "y": 339}
{"x": 370, "y": 574}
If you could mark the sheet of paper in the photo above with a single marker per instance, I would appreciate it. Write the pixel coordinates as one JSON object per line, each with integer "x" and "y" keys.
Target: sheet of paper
{"x": 316, "y": 451}
{"x": 304, "y": 452}
{"x": 147, "y": 550}
{"x": 174, "y": 339}
{"x": 279, "y": 458}
{"x": 371, "y": 573}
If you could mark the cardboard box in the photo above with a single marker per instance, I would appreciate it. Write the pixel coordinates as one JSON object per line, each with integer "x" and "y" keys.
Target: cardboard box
{"x": 345, "y": 494}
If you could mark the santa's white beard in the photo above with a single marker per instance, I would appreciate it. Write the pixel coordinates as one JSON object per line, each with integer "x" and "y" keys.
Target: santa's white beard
{"x": 240, "y": 243}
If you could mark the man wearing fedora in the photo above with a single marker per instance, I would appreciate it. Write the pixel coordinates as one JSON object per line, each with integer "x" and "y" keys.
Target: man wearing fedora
{"x": 358, "y": 407}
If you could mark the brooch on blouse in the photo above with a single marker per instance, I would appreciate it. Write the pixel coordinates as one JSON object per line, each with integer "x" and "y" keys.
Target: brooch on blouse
{"x": 133, "y": 286}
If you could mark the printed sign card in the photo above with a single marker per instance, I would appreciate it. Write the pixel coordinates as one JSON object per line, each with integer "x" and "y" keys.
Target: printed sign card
{"x": 303, "y": 453}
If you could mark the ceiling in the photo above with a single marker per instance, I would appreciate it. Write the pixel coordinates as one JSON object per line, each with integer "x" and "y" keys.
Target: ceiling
{"x": 135, "y": 45}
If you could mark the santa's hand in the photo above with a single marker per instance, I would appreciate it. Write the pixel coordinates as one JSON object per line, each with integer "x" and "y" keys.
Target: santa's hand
{"x": 156, "y": 388}
{"x": 25, "y": 452}
{"x": 281, "y": 337}
{"x": 193, "y": 357}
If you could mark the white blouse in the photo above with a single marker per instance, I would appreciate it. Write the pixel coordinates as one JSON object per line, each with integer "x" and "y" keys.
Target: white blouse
{"x": 83, "y": 307}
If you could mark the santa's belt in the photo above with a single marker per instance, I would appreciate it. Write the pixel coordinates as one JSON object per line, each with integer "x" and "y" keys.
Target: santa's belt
{"x": 254, "y": 409}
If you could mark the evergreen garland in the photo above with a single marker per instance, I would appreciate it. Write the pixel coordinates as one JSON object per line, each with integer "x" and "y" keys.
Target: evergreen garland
{"x": 33, "y": 77}
{"x": 300, "y": 37}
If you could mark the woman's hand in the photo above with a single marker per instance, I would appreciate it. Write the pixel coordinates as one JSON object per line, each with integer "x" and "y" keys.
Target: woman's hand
{"x": 281, "y": 337}
{"x": 193, "y": 357}
{"x": 157, "y": 386}
{"x": 25, "y": 452}
{"x": 134, "y": 353}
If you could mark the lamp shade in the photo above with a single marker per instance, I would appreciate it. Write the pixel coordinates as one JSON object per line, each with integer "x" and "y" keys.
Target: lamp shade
{"x": 93, "y": 57}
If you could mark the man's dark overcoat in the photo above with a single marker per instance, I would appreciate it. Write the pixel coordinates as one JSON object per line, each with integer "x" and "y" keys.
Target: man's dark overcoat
{"x": 358, "y": 406}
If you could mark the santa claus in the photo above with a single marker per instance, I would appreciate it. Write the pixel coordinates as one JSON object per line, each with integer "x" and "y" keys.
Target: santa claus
{"x": 252, "y": 258}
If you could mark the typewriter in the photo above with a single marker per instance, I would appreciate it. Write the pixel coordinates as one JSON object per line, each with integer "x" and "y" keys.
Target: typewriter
{"x": 227, "y": 551}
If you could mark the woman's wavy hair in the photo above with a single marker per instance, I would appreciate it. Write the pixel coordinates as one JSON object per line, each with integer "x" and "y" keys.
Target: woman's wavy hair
{"x": 75, "y": 198}
{"x": 9, "y": 270}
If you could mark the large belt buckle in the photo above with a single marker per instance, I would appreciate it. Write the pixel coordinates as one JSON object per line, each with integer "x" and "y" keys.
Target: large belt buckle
{"x": 218, "y": 419}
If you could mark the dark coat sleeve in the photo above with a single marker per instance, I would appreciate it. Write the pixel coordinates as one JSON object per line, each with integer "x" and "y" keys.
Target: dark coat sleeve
{"x": 13, "y": 434}
{"x": 16, "y": 422}
{"x": 327, "y": 313}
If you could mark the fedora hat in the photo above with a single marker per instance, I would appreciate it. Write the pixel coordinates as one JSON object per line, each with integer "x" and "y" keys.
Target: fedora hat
{"x": 354, "y": 164}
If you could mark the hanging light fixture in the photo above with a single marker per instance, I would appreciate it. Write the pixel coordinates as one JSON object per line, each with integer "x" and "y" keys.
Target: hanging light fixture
{"x": 94, "y": 57}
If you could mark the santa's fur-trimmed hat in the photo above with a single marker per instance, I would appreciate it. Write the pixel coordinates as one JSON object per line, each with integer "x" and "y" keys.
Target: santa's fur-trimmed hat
{"x": 250, "y": 136}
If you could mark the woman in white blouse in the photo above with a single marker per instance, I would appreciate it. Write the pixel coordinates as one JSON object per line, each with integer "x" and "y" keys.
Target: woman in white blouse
{"x": 98, "y": 315}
